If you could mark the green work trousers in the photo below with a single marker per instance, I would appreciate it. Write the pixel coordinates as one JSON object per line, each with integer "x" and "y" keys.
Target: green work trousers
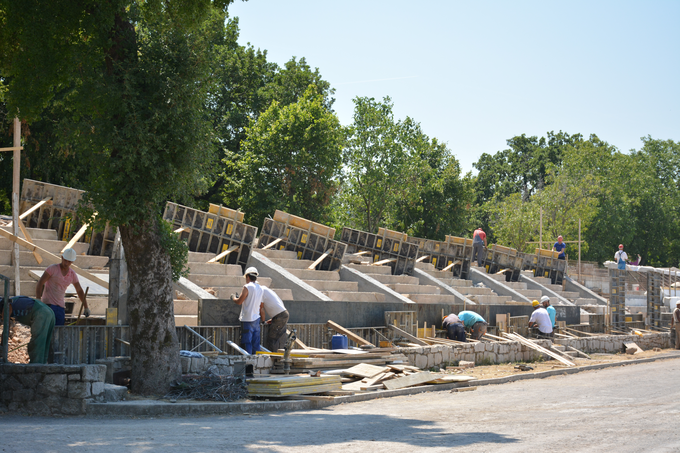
{"x": 41, "y": 322}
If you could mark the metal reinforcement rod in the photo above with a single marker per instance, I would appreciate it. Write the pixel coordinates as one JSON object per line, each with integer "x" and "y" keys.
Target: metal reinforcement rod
{"x": 202, "y": 338}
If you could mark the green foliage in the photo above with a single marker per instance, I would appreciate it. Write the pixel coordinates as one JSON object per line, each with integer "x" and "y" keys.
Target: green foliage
{"x": 291, "y": 161}
{"x": 176, "y": 248}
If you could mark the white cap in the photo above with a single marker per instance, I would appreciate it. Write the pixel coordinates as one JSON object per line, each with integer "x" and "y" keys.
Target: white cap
{"x": 69, "y": 255}
{"x": 251, "y": 270}
{"x": 545, "y": 299}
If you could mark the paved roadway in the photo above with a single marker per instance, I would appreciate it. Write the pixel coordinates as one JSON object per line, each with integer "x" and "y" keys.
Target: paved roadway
{"x": 632, "y": 408}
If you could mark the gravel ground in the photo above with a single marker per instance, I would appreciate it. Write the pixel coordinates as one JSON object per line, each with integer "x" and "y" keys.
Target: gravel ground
{"x": 629, "y": 408}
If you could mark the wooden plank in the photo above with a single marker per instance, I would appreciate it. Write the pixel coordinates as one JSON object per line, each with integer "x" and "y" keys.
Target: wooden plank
{"x": 179, "y": 230}
{"x": 351, "y": 335}
{"x": 451, "y": 265}
{"x": 365, "y": 370}
{"x": 363, "y": 252}
{"x": 52, "y": 258}
{"x": 538, "y": 348}
{"x": 272, "y": 244}
{"x": 320, "y": 259}
{"x": 494, "y": 337}
{"x": 581, "y": 353}
{"x": 422, "y": 258}
{"x": 233, "y": 248}
{"x": 407, "y": 335}
{"x": 76, "y": 237}
{"x": 584, "y": 333}
{"x": 12, "y": 148}
{"x": 32, "y": 208}
{"x": 23, "y": 229}
{"x": 381, "y": 262}
{"x": 411, "y": 380}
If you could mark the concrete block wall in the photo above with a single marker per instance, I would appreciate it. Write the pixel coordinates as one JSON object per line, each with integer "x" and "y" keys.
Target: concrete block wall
{"x": 225, "y": 365}
{"x": 50, "y": 389}
{"x": 615, "y": 343}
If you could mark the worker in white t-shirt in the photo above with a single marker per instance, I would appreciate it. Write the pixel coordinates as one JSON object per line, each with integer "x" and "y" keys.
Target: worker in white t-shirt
{"x": 540, "y": 321}
{"x": 272, "y": 305}
{"x": 250, "y": 300}
{"x": 620, "y": 257}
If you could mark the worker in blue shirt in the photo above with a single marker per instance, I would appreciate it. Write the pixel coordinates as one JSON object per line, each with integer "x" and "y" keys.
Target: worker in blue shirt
{"x": 545, "y": 300}
{"x": 559, "y": 248}
{"x": 474, "y": 323}
{"x": 39, "y": 317}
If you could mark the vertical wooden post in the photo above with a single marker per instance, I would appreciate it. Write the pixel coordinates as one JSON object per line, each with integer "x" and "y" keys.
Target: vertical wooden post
{"x": 579, "y": 250}
{"x": 15, "y": 204}
{"x": 540, "y": 232}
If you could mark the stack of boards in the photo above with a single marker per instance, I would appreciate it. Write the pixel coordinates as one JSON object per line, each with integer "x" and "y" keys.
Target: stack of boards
{"x": 304, "y": 360}
{"x": 367, "y": 377}
{"x": 292, "y": 385}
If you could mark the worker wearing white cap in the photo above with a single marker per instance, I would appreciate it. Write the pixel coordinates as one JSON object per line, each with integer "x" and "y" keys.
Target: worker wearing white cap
{"x": 620, "y": 257}
{"x": 250, "y": 300}
{"x": 545, "y": 301}
{"x": 52, "y": 286}
{"x": 541, "y": 321}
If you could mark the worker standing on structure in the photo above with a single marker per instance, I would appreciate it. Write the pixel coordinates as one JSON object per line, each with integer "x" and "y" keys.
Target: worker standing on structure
{"x": 455, "y": 330}
{"x": 36, "y": 315}
{"x": 272, "y": 305}
{"x": 540, "y": 320}
{"x": 52, "y": 286}
{"x": 545, "y": 300}
{"x": 474, "y": 322}
{"x": 620, "y": 258}
{"x": 478, "y": 244}
{"x": 250, "y": 301}
{"x": 559, "y": 248}
{"x": 675, "y": 320}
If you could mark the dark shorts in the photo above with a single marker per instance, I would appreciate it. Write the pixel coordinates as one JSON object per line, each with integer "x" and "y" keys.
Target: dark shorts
{"x": 455, "y": 331}
{"x": 59, "y": 314}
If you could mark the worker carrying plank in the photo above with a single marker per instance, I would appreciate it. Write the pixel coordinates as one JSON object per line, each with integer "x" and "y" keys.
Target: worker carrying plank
{"x": 474, "y": 323}
{"x": 455, "y": 330}
{"x": 478, "y": 244}
{"x": 250, "y": 300}
{"x": 559, "y": 247}
{"x": 675, "y": 320}
{"x": 36, "y": 315}
{"x": 272, "y": 305}
{"x": 540, "y": 323}
{"x": 52, "y": 286}
{"x": 545, "y": 301}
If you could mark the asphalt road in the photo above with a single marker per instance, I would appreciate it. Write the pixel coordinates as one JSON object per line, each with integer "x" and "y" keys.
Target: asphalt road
{"x": 632, "y": 408}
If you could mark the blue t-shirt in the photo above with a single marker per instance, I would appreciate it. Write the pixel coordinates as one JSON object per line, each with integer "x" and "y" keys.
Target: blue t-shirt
{"x": 560, "y": 248}
{"x": 469, "y": 318}
{"x": 21, "y": 306}
{"x": 552, "y": 312}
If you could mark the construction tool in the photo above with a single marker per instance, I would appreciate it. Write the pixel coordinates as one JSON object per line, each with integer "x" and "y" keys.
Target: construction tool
{"x": 80, "y": 312}
{"x": 286, "y": 355}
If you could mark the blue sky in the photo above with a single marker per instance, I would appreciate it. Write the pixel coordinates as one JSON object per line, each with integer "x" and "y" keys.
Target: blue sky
{"x": 475, "y": 74}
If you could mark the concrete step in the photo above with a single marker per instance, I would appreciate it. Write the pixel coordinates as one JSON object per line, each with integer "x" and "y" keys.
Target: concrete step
{"x": 225, "y": 292}
{"x": 327, "y": 285}
{"x": 498, "y": 277}
{"x": 393, "y": 279}
{"x": 97, "y": 305}
{"x": 385, "y": 270}
{"x": 440, "y": 275}
{"x": 427, "y": 267}
{"x": 292, "y": 263}
{"x": 282, "y": 254}
{"x": 114, "y": 393}
{"x": 491, "y": 300}
{"x": 51, "y": 246}
{"x": 185, "y": 307}
{"x": 569, "y": 294}
{"x": 28, "y": 287}
{"x": 516, "y": 285}
{"x": 215, "y": 281}
{"x": 474, "y": 291}
{"x": 306, "y": 274}
{"x": 530, "y": 293}
{"x": 542, "y": 280}
{"x": 413, "y": 289}
{"x": 186, "y": 320}
{"x": 195, "y": 257}
{"x": 456, "y": 282}
{"x": 351, "y": 296}
{"x": 26, "y": 258}
{"x": 36, "y": 233}
{"x": 215, "y": 269}
{"x": 8, "y": 271}
{"x": 432, "y": 298}
{"x": 584, "y": 301}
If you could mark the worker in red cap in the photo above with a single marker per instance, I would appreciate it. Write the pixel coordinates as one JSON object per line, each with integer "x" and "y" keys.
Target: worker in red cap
{"x": 621, "y": 257}
{"x": 559, "y": 248}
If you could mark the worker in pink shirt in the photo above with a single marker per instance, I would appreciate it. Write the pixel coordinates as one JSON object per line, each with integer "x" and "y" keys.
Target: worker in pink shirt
{"x": 53, "y": 283}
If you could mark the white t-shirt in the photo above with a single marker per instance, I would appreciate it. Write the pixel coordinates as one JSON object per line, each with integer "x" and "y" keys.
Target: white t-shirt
{"x": 273, "y": 304}
{"x": 541, "y": 317}
{"x": 250, "y": 309}
{"x": 620, "y": 254}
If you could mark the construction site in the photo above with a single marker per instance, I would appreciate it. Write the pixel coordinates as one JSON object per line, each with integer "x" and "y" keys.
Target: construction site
{"x": 365, "y": 310}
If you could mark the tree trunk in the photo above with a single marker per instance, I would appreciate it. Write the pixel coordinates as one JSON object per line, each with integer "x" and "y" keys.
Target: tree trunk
{"x": 153, "y": 339}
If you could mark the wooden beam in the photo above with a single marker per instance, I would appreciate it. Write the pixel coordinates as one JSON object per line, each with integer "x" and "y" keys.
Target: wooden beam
{"x": 351, "y": 335}
{"x": 581, "y": 353}
{"x": 12, "y": 148}
{"x": 179, "y": 230}
{"x": 408, "y": 336}
{"x": 23, "y": 229}
{"x": 272, "y": 244}
{"x": 538, "y": 348}
{"x": 363, "y": 252}
{"x": 451, "y": 265}
{"x": 381, "y": 262}
{"x": 233, "y": 248}
{"x": 76, "y": 237}
{"x": 320, "y": 259}
{"x": 51, "y": 257}
{"x": 422, "y": 258}
{"x": 33, "y": 208}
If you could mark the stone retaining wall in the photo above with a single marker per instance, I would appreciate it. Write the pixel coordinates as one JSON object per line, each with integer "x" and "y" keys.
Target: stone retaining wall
{"x": 614, "y": 343}
{"x": 50, "y": 389}
{"x": 226, "y": 364}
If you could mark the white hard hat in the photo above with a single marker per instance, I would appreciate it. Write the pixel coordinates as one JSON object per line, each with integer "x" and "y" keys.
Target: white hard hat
{"x": 545, "y": 299}
{"x": 251, "y": 270}
{"x": 69, "y": 255}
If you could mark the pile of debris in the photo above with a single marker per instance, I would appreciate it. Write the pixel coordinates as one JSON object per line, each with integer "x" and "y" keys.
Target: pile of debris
{"x": 208, "y": 387}
{"x": 19, "y": 336}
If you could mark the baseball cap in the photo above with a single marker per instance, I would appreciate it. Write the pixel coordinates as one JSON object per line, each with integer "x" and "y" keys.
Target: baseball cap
{"x": 620, "y": 246}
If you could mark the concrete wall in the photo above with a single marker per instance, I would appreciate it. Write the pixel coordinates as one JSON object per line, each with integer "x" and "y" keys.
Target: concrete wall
{"x": 368, "y": 284}
{"x": 499, "y": 288}
{"x": 281, "y": 278}
{"x": 50, "y": 389}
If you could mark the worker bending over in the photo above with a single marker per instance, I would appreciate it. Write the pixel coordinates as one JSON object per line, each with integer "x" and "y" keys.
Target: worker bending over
{"x": 545, "y": 300}
{"x": 455, "y": 330}
{"x": 39, "y": 317}
{"x": 52, "y": 286}
{"x": 250, "y": 301}
{"x": 273, "y": 306}
{"x": 540, "y": 321}
{"x": 473, "y": 322}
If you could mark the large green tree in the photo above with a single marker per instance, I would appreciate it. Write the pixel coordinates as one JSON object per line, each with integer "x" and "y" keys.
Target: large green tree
{"x": 134, "y": 76}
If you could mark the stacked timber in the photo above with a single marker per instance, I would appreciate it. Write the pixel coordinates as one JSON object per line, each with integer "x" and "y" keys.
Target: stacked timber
{"x": 366, "y": 377}
{"x": 304, "y": 360}
{"x": 292, "y": 385}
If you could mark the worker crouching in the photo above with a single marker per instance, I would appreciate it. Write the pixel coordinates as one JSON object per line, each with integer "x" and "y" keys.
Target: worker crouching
{"x": 455, "y": 330}
{"x": 474, "y": 322}
{"x": 39, "y": 317}
{"x": 540, "y": 323}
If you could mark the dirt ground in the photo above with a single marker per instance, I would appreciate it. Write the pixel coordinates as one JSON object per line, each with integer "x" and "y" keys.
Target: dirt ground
{"x": 19, "y": 335}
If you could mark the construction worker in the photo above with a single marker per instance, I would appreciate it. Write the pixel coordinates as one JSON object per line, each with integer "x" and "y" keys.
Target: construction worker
{"x": 52, "y": 286}
{"x": 474, "y": 322}
{"x": 38, "y": 316}
{"x": 540, "y": 321}
{"x": 559, "y": 247}
{"x": 273, "y": 306}
{"x": 545, "y": 301}
{"x": 455, "y": 330}
{"x": 478, "y": 244}
{"x": 675, "y": 320}
{"x": 620, "y": 258}
{"x": 250, "y": 300}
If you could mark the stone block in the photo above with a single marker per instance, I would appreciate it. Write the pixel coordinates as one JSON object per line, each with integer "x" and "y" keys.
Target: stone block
{"x": 421, "y": 361}
{"x": 23, "y": 395}
{"x": 53, "y": 384}
{"x": 186, "y": 364}
{"x": 114, "y": 393}
{"x": 29, "y": 380}
{"x": 479, "y": 347}
{"x": 95, "y": 373}
{"x": 74, "y": 377}
{"x": 97, "y": 389}
{"x": 437, "y": 358}
{"x": 37, "y": 408}
{"x": 79, "y": 390}
{"x": 6, "y": 396}
{"x": 73, "y": 406}
{"x": 430, "y": 360}
{"x": 11, "y": 383}
{"x": 12, "y": 368}
{"x": 446, "y": 354}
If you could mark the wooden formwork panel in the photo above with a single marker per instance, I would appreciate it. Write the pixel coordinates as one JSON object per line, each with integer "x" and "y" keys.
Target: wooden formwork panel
{"x": 654, "y": 298}
{"x": 75, "y": 345}
{"x": 617, "y": 297}
{"x": 405, "y": 320}
{"x": 401, "y": 253}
